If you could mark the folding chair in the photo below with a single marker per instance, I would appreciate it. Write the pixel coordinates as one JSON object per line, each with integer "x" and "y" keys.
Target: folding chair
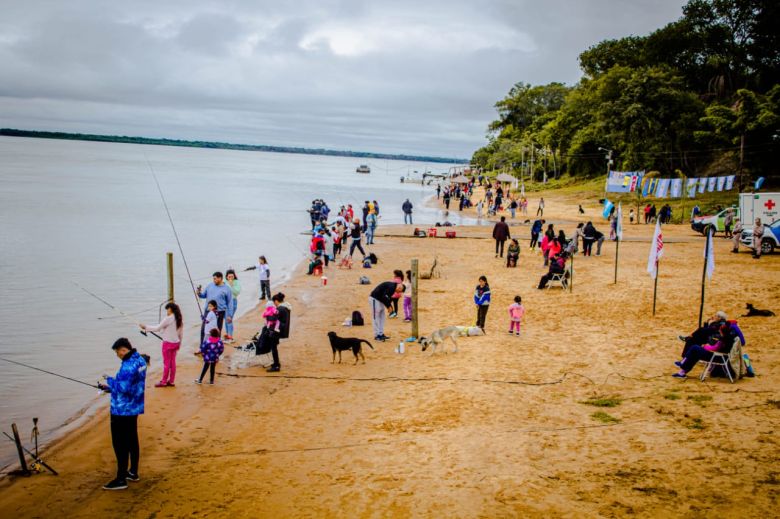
{"x": 718, "y": 359}
{"x": 559, "y": 279}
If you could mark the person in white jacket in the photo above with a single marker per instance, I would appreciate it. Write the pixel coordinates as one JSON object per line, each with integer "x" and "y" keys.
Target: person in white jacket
{"x": 171, "y": 329}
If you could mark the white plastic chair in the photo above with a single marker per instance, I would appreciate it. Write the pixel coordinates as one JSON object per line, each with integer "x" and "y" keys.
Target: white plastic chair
{"x": 718, "y": 359}
{"x": 560, "y": 279}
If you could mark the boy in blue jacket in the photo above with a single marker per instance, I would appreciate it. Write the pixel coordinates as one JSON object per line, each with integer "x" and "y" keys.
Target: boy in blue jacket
{"x": 127, "y": 402}
{"x": 482, "y": 300}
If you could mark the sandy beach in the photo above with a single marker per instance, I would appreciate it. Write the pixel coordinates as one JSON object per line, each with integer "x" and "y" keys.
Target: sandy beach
{"x": 499, "y": 429}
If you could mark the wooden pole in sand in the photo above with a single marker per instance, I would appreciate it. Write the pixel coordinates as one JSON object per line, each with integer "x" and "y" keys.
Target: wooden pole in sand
{"x": 415, "y": 322}
{"x": 571, "y": 268}
{"x": 169, "y": 263}
{"x": 617, "y": 248}
{"x": 704, "y": 274}
{"x": 18, "y": 442}
{"x": 655, "y": 284}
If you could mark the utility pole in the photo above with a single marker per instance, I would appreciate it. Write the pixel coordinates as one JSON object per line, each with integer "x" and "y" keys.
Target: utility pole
{"x": 415, "y": 299}
{"x": 169, "y": 264}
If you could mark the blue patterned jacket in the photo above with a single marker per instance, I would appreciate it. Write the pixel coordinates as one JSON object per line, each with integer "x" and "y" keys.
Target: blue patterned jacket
{"x": 127, "y": 388}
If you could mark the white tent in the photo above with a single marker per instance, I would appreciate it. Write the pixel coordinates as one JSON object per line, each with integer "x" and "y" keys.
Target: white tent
{"x": 460, "y": 179}
{"x": 505, "y": 177}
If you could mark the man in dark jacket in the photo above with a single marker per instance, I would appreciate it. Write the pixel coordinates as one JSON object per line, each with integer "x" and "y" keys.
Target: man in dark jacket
{"x": 284, "y": 331}
{"x": 536, "y": 229}
{"x": 501, "y": 234}
{"x": 407, "y": 208}
{"x": 127, "y": 402}
{"x": 380, "y": 300}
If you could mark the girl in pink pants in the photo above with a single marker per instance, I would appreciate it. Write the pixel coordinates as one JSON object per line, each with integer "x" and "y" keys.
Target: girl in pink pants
{"x": 516, "y": 313}
{"x": 171, "y": 330}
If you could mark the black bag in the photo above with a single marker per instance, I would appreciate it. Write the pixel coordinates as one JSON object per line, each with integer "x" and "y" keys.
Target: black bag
{"x": 372, "y": 257}
{"x": 357, "y": 319}
{"x": 264, "y": 343}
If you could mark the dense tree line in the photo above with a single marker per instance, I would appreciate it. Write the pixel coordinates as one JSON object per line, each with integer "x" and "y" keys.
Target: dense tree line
{"x": 700, "y": 96}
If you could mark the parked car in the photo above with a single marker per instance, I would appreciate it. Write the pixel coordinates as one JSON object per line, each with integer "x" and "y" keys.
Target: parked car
{"x": 717, "y": 221}
{"x": 769, "y": 242}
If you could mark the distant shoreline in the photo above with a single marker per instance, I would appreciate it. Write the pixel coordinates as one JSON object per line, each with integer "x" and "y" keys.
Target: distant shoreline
{"x": 11, "y": 132}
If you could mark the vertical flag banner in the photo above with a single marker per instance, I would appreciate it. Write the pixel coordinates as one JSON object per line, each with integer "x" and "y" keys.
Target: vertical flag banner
{"x": 656, "y": 251}
{"x": 645, "y": 185}
{"x": 721, "y": 183}
{"x": 691, "y": 187}
{"x": 711, "y": 184}
{"x": 619, "y": 216}
{"x": 730, "y": 182}
{"x": 702, "y": 184}
{"x": 709, "y": 254}
{"x": 675, "y": 190}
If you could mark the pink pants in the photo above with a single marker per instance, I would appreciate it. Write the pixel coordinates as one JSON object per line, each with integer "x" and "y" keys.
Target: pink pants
{"x": 169, "y": 350}
{"x": 514, "y": 326}
{"x": 407, "y": 307}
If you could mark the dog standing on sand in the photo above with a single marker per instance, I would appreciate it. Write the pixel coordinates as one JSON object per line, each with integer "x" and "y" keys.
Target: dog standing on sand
{"x": 438, "y": 337}
{"x": 339, "y": 344}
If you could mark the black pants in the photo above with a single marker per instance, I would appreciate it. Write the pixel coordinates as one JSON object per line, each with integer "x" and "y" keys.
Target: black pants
{"x": 265, "y": 289}
{"x": 395, "y": 304}
{"x": 482, "y": 311}
{"x": 540, "y": 211}
{"x": 500, "y": 247}
{"x": 356, "y": 245}
{"x": 336, "y": 250}
{"x": 547, "y": 277}
{"x": 534, "y": 239}
{"x": 124, "y": 438}
{"x": 208, "y": 366}
{"x": 587, "y": 246}
{"x": 275, "y": 354}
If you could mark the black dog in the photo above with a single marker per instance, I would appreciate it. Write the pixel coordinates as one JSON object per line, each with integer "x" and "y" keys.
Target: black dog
{"x": 339, "y": 344}
{"x": 755, "y": 312}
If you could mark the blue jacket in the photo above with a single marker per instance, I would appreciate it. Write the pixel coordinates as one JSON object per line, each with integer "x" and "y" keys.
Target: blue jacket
{"x": 537, "y": 227}
{"x": 482, "y": 295}
{"x": 221, "y": 294}
{"x": 127, "y": 388}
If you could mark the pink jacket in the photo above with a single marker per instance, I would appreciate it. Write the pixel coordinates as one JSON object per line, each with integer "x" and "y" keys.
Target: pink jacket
{"x": 516, "y": 312}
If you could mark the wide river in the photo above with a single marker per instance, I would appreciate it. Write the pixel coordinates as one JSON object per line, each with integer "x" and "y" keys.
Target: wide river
{"x": 82, "y": 214}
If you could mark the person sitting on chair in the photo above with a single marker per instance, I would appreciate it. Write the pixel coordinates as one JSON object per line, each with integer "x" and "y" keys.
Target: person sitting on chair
{"x": 557, "y": 266}
{"x": 706, "y": 334}
{"x": 726, "y": 337}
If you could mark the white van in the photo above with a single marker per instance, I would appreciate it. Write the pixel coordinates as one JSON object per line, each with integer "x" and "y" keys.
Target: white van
{"x": 758, "y": 205}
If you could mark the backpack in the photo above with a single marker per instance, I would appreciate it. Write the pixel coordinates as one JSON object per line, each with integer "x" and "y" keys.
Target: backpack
{"x": 357, "y": 319}
{"x": 372, "y": 257}
{"x": 367, "y": 263}
{"x": 364, "y": 280}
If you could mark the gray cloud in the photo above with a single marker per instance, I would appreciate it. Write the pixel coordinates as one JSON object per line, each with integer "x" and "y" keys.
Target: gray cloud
{"x": 415, "y": 77}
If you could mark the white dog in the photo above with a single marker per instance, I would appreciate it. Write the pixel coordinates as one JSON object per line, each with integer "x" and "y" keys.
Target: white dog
{"x": 438, "y": 336}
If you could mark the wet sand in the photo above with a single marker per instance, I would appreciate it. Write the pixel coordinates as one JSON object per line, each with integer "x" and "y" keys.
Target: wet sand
{"x": 497, "y": 429}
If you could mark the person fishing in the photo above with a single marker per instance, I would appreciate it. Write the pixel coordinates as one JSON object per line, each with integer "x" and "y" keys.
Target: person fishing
{"x": 127, "y": 402}
{"x": 264, "y": 274}
{"x": 217, "y": 291}
{"x": 235, "y": 289}
{"x": 171, "y": 329}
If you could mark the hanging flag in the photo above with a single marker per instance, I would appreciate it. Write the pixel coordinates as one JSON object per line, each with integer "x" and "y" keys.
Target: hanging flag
{"x": 675, "y": 190}
{"x": 619, "y": 227}
{"x": 607, "y": 208}
{"x": 759, "y": 183}
{"x": 709, "y": 254}
{"x": 711, "y": 184}
{"x": 691, "y": 187}
{"x": 645, "y": 185}
{"x": 622, "y": 181}
{"x": 721, "y": 183}
{"x": 656, "y": 250}
{"x": 663, "y": 188}
{"x": 730, "y": 182}
{"x": 702, "y": 184}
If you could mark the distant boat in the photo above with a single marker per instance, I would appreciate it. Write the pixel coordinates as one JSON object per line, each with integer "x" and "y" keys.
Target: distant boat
{"x": 363, "y": 168}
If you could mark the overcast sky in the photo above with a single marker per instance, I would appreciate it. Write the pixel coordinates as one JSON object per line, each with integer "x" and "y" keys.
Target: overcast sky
{"x": 395, "y": 76}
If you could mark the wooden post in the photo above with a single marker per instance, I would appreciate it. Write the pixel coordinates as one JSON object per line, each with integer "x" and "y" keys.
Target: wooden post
{"x": 571, "y": 268}
{"x": 19, "y": 449}
{"x": 707, "y": 246}
{"x": 415, "y": 321}
{"x": 655, "y": 284}
{"x": 617, "y": 249}
{"x": 169, "y": 262}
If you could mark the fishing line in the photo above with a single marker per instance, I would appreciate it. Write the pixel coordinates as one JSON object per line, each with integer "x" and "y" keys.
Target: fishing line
{"x": 176, "y": 234}
{"x": 50, "y": 373}
{"x": 143, "y": 332}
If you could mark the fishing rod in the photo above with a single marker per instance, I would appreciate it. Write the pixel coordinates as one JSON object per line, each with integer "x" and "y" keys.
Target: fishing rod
{"x": 50, "y": 373}
{"x": 176, "y": 235}
{"x": 143, "y": 332}
{"x": 34, "y": 456}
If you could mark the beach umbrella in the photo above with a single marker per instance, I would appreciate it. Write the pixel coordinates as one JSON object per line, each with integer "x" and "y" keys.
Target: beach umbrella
{"x": 460, "y": 179}
{"x": 505, "y": 177}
